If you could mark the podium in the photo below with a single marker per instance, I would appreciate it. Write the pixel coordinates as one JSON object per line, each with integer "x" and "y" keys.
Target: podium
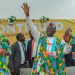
{"x": 25, "y": 71}
{"x": 70, "y": 70}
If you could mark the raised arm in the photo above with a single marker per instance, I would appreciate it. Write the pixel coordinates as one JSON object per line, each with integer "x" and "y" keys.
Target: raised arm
{"x": 34, "y": 30}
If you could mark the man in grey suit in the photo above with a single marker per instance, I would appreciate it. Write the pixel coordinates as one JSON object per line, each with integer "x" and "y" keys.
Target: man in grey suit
{"x": 18, "y": 58}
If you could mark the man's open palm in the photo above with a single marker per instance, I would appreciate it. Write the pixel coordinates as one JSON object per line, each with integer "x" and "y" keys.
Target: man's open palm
{"x": 25, "y": 8}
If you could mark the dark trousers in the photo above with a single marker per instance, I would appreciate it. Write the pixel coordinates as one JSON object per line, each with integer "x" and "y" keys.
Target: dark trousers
{"x": 17, "y": 71}
{"x": 68, "y": 60}
{"x": 31, "y": 62}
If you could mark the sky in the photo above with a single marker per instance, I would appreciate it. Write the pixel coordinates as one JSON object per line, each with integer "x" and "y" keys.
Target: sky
{"x": 60, "y": 9}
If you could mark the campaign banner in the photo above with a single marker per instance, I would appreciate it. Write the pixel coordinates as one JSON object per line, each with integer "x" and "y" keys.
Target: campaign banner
{"x": 20, "y": 25}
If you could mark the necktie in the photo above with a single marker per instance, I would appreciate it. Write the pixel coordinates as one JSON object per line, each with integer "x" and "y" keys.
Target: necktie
{"x": 24, "y": 47}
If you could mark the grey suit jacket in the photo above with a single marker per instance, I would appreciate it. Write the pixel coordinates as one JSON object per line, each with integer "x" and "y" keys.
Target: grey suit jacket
{"x": 15, "y": 58}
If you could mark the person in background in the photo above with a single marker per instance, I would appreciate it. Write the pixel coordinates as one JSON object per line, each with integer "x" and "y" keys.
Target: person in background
{"x": 73, "y": 48}
{"x": 67, "y": 49}
{"x": 18, "y": 58}
{"x": 49, "y": 59}
{"x": 4, "y": 52}
{"x": 30, "y": 50}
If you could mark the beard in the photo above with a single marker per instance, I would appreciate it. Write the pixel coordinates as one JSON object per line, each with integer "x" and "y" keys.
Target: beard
{"x": 50, "y": 32}
{"x": 49, "y": 35}
{"x": 22, "y": 40}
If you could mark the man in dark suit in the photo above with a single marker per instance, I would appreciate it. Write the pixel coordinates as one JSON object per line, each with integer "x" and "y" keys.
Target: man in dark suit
{"x": 30, "y": 47}
{"x": 18, "y": 56}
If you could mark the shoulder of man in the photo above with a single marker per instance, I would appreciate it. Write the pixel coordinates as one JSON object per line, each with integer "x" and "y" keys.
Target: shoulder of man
{"x": 14, "y": 44}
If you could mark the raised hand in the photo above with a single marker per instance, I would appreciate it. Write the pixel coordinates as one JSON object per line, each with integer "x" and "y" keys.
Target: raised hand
{"x": 25, "y": 8}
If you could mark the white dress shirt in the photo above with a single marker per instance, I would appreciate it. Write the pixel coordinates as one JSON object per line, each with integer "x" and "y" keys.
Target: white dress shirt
{"x": 22, "y": 53}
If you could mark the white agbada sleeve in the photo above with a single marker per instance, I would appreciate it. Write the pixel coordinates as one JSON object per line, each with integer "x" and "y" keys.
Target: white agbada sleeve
{"x": 34, "y": 30}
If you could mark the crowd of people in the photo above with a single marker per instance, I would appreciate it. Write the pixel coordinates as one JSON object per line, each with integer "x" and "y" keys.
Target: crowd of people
{"x": 44, "y": 53}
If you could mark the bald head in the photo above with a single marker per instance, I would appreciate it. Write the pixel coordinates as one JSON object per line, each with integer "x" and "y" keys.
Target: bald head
{"x": 20, "y": 37}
